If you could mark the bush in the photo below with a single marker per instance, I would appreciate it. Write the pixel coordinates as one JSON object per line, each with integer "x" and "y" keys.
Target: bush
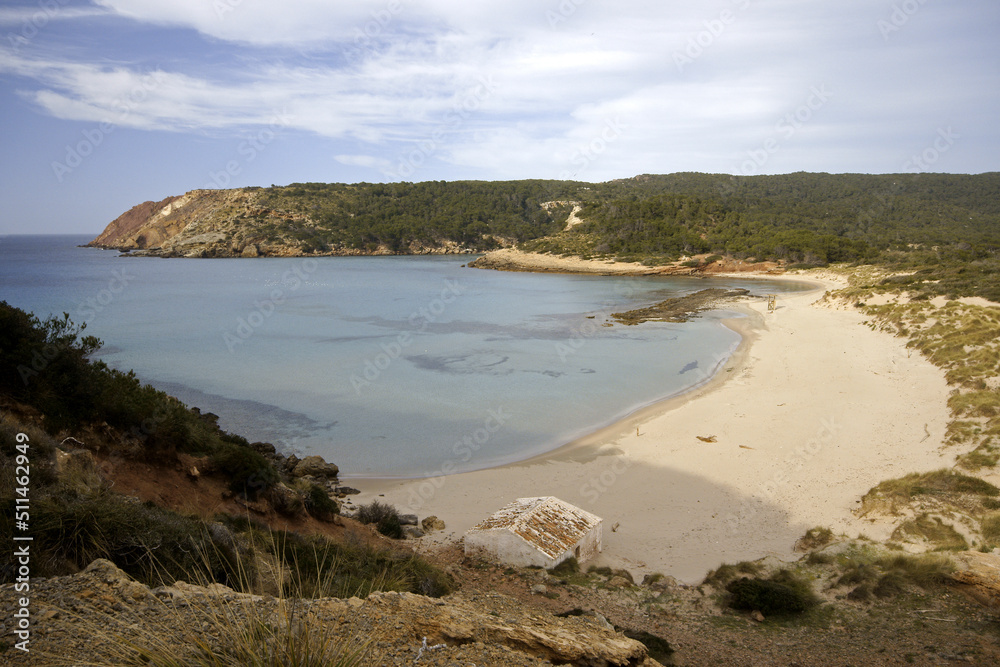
{"x": 569, "y": 566}
{"x": 320, "y": 505}
{"x": 781, "y": 595}
{"x": 322, "y": 568}
{"x": 151, "y": 544}
{"x": 249, "y": 473}
{"x": 725, "y": 573}
{"x": 384, "y": 517}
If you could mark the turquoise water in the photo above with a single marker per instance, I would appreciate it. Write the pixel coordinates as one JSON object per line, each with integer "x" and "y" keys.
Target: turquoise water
{"x": 387, "y": 366}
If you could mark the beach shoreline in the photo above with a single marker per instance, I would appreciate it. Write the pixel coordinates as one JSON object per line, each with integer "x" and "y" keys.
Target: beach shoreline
{"x": 810, "y": 411}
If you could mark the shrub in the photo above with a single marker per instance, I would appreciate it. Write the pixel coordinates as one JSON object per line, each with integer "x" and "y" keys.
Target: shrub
{"x": 725, "y": 573}
{"x": 815, "y": 538}
{"x": 151, "y": 544}
{"x": 320, "y": 505}
{"x": 658, "y": 647}
{"x": 569, "y": 566}
{"x": 323, "y": 568}
{"x": 249, "y": 473}
{"x": 384, "y": 517}
{"x": 770, "y": 597}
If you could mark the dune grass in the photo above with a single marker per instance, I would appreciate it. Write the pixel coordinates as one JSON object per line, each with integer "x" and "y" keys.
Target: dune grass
{"x": 946, "y": 486}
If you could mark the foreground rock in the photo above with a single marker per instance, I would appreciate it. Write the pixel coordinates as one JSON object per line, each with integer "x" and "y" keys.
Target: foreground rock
{"x": 96, "y": 616}
{"x": 979, "y": 576}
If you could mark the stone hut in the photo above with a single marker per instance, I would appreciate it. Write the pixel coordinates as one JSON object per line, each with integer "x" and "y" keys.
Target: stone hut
{"x": 542, "y": 531}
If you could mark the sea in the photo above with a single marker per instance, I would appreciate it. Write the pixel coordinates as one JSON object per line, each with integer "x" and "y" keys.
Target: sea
{"x": 387, "y": 366}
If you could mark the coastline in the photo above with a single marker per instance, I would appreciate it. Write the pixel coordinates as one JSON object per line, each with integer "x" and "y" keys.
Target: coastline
{"x": 810, "y": 411}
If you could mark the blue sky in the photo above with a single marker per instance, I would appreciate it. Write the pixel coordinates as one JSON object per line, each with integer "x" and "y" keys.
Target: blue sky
{"x": 109, "y": 103}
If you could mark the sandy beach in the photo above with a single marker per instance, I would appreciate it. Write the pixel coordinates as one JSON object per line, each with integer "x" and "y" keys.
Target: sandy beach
{"x": 812, "y": 411}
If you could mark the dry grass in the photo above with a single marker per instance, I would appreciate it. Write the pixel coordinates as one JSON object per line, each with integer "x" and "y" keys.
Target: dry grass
{"x": 223, "y": 628}
{"x": 932, "y": 530}
{"x": 947, "y": 488}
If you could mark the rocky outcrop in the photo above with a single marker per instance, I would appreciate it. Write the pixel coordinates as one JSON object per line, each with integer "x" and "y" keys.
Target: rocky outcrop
{"x": 232, "y": 223}
{"x": 432, "y": 523}
{"x": 204, "y": 223}
{"x": 315, "y": 466}
{"x": 102, "y": 616}
{"x": 978, "y": 574}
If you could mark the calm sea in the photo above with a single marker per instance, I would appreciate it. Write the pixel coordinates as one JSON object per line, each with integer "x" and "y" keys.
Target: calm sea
{"x": 388, "y": 366}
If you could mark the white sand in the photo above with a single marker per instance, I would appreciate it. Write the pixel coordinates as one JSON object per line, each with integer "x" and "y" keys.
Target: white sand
{"x": 812, "y": 412}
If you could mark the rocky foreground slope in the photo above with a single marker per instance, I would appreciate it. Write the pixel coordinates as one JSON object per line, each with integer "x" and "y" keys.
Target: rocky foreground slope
{"x": 101, "y": 616}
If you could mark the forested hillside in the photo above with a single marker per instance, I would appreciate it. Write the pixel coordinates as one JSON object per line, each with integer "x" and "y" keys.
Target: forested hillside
{"x": 920, "y": 222}
{"x": 473, "y": 214}
{"x": 800, "y": 218}
{"x": 808, "y": 218}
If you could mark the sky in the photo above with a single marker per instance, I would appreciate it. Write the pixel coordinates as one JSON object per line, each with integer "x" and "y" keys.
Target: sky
{"x": 109, "y": 103}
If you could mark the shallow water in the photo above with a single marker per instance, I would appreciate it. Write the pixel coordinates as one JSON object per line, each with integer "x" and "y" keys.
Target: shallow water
{"x": 387, "y": 366}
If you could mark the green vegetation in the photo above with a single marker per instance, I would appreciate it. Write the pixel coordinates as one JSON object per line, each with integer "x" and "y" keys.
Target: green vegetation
{"x": 945, "y": 485}
{"x": 726, "y": 573}
{"x": 569, "y": 566}
{"x": 320, "y": 504}
{"x": 870, "y": 573}
{"x": 989, "y": 529}
{"x": 943, "y": 229}
{"x": 384, "y": 517}
{"x": 781, "y": 594}
{"x": 932, "y": 530}
{"x": 474, "y": 214}
{"x": 659, "y": 648}
{"x": 814, "y": 538}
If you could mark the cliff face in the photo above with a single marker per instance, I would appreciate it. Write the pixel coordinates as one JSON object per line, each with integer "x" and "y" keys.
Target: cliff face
{"x": 203, "y": 223}
{"x": 230, "y": 223}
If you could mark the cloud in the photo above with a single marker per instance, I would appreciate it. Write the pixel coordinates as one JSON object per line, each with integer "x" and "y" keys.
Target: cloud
{"x": 39, "y": 15}
{"x": 368, "y": 161}
{"x": 523, "y": 87}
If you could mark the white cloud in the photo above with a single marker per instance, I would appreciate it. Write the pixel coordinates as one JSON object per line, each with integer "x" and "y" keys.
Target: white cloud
{"x": 38, "y": 16}
{"x": 368, "y": 161}
{"x": 525, "y": 87}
